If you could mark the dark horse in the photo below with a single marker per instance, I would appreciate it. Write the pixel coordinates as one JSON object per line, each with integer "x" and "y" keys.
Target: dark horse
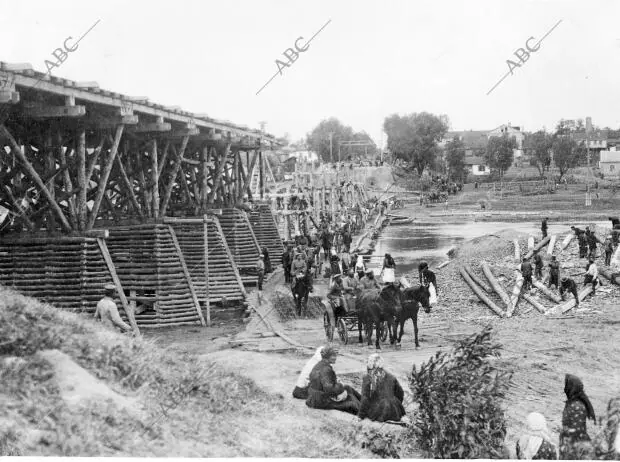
{"x": 376, "y": 307}
{"x": 411, "y": 299}
{"x": 301, "y": 289}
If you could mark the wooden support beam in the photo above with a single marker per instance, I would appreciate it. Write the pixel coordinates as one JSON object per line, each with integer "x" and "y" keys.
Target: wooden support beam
{"x": 142, "y": 182}
{"x": 110, "y": 122}
{"x": 129, "y": 187}
{"x": 105, "y": 174}
{"x": 206, "y": 254}
{"x": 195, "y": 188}
{"x": 183, "y": 181}
{"x": 92, "y": 162}
{"x": 152, "y": 127}
{"x": 218, "y": 175}
{"x": 154, "y": 179}
{"x": 248, "y": 179}
{"x": 261, "y": 172}
{"x": 173, "y": 177}
{"x": 35, "y": 177}
{"x": 497, "y": 287}
{"x": 82, "y": 209}
{"x": 22, "y": 213}
{"x": 164, "y": 159}
{"x": 46, "y": 112}
{"x": 62, "y": 157}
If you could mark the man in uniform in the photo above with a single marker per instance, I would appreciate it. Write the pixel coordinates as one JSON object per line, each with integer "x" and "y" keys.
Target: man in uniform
{"x": 554, "y": 272}
{"x": 369, "y": 282}
{"x": 350, "y": 284}
{"x": 538, "y": 265}
{"x": 568, "y": 285}
{"x": 108, "y": 311}
{"x": 526, "y": 271}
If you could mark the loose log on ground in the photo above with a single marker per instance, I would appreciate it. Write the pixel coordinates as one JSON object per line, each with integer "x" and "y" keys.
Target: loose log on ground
{"x": 481, "y": 295}
{"x": 499, "y": 290}
{"x": 530, "y": 243}
{"x": 517, "y": 250}
{"x": 551, "y": 245}
{"x": 570, "y": 304}
{"x": 545, "y": 290}
{"x": 567, "y": 241}
{"x": 535, "y": 303}
{"x": 607, "y": 274}
{"x": 516, "y": 291}
{"x": 538, "y": 246}
{"x": 477, "y": 280}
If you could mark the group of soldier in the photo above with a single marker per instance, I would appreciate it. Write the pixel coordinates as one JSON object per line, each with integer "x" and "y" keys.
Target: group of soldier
{"x": 588, "y": 243}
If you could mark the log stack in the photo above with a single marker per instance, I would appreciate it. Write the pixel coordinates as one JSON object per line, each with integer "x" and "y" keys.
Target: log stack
{"x": 266, "y": 232}
{"x": 67, "y": 272}
{"x": 242, "y": 243}
{"x": 224, "y": 277}
{"x": 153, "y": 271}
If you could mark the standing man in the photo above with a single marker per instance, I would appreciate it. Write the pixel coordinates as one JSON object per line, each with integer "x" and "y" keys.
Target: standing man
{"x": 543, "y": 227}
{"x": 538, "y": 265}
{"x": 609, "y": 250}
{"x": 286, "y": 264}
{"x": 350, "y": 284}
{"x": 260, "y": 272}
{"x": 108, "y": 311}
{"x": 592, "y": 242}
{"x": 568, "y": 285}
{"x": 554, "y": 272}
{"x": 591, "y": 276}
{"x": 526, "y": 271}
{"x": 581, "y": 239}
{"x": 429, "y": 280}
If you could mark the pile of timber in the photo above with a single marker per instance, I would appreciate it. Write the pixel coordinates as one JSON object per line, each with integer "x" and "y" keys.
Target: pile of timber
{"x": 266, "y": 232}
{"x": 153, "y": 272}
{"x": 223, "y": 276}
{"x": 67, "y": 272}
{"x": 242, "y": 243}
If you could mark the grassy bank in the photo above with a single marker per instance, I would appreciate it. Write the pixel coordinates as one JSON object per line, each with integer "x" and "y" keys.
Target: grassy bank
{"x": 184, "y": 405}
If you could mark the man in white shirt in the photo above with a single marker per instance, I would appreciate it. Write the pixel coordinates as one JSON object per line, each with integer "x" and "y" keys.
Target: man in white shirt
{"x": 591, "y": 276}
{"x": 108, "y": 311}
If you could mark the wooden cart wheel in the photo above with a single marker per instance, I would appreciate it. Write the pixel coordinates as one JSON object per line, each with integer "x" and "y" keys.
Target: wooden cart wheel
{"x": 328, "y": 328}
{"x": 343, "y": 332}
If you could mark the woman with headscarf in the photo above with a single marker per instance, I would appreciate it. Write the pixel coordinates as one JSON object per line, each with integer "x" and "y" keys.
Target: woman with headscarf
{"x": 535, "y": 443}
{"x": 301, "y": 387}
{"x": 324, "y": 390}
{"x": 360, "y": 268}
{"x": 334, "y": 262}
{"x": 389, "y": 265}
{"x": 607, "y": 442}
{"x": 574, "y": 439}
{"x": 382, "y": 395}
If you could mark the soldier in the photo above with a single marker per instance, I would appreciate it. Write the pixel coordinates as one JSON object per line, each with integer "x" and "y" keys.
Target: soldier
{"x": 108, "y": 311}
{"x": 568, "y": 285}
{"x": 526, "y": 271}
{"x": 609, "y": 250}
{"x": 538, "y": 265}
{"x": 543, "y": 227}
{"x": 554, "y": 272}
{"x": 591, "y": 276}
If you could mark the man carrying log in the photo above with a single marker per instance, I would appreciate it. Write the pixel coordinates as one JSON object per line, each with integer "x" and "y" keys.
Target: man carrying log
{"x": 568, "y": 285}
{"x": 526, "y": 272}
{"x": 554, "y": 272}
{"x": 544, "y": 227}
{"x": 538, "y": 265}
{"x": 108, "y": 311}
{"x": 591, "y": 276}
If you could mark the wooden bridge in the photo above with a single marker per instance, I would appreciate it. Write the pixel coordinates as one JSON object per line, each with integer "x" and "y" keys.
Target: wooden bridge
{"x": 102, "y": 187}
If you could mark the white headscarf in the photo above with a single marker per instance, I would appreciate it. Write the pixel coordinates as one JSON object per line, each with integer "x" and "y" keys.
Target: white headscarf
{"x": 360, "y": 262}
{"x": 304, "y": 377}
{"x": 536, "y": 433}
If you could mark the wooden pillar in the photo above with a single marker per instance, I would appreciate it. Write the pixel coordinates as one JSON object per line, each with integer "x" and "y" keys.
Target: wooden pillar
{"x": 82, "y": 209}
{"x": 155, "y": 179}
{"x": 50, "y": 168}
{"x": 204, "y": 160}
{"x": 206, "y": 253}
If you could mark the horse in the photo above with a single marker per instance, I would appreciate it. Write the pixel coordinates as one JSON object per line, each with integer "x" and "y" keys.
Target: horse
{"x": 301, "y": 290}
{"x": 376, "y": 307}
{"x": 410, "y": 299}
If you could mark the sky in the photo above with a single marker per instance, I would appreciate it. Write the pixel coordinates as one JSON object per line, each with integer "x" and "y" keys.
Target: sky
{"x": 371, "y": 60}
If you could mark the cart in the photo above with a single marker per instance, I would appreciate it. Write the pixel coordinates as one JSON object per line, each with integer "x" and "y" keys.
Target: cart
{"x": 347, "y": 322}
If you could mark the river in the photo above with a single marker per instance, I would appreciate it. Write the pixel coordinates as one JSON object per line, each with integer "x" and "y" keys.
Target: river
{"x": 430, "y": 242}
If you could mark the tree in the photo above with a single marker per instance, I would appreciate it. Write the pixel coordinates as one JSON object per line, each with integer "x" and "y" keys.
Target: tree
{"x": 319, "y": 139}
{"x": 541, "y": 143}
{"x": 414, "y": 137}
{"x": 499, "y": 154}
{"x": 566, "y": 154}
{"x": 455, "y": 155}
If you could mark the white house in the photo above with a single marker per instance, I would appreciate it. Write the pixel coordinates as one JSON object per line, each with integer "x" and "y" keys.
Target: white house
{"x": 610, "y": 162}
{"x": 476, "y": 166}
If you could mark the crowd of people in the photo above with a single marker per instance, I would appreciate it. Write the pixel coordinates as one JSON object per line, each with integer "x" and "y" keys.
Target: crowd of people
{"x": 588, "y": 249}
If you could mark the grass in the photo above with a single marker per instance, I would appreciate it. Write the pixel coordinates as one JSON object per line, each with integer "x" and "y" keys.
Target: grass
{"x": 188, "y": 406}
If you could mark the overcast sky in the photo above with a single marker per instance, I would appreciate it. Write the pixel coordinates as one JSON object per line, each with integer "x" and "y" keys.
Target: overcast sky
{"x": 373, "y": 59}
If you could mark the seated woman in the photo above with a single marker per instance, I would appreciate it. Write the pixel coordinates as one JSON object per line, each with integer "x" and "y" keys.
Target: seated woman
{"x": 382, "y": 395}
{"x": 301, "y": 387}
{"x": 575, "y": 443}
{"x": 535, "y": 443}
{"x": 325, "y": 392}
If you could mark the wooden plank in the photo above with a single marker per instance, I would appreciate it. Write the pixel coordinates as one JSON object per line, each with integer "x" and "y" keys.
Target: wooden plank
{"x": 30, "y": 170}
{"x": 45, "y": 112}
{"x": 152, "y": 127}
{"x": 92, "y": 162}
{"x": 82, "y": 209}
{"x": 129, "y": 187}
{"x": 187, "y": 275}
{"x": 119, "y": 287}
{"x": 155, "y": 179}
{"x": 216, "y": 221}
{"x": 551, "y": 245}
{"x": 476, "y": 279}
{"x": 218, "y": 175}
{"x": 103, "y": 180}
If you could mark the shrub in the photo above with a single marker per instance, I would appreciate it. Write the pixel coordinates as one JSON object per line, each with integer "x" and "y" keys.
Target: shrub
{"x": 459, "y": 394}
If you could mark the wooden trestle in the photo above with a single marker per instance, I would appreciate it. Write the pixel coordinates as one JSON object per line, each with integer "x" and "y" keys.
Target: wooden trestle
{"x": 76, "y": 159}
{"x": 266, "y": 232}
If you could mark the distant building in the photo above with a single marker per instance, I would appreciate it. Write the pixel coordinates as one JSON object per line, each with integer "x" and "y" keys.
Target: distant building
{"x": 610, "y": 162}
{"x": 477, "y": 166}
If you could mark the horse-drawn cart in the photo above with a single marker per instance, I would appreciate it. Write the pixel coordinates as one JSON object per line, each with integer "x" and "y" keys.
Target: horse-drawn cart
{"x": 345, "y": 323}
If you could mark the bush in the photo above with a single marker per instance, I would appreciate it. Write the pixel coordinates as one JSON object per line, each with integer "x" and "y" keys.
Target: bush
{"x": 459, "y": 394}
